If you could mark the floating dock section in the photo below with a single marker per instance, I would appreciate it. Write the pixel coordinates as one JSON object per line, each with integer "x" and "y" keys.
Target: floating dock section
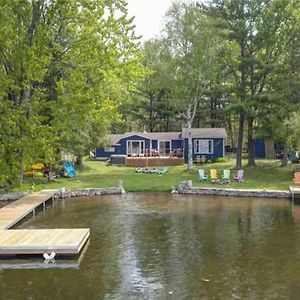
{"x": 36, "y": 241}
{"x": 40, "y": 241}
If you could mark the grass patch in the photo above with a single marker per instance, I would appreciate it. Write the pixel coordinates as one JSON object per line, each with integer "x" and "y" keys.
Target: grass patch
{"x": 268, "y": 174}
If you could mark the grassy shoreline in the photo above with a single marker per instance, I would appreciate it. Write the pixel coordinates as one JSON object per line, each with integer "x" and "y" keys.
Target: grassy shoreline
{"x": 268, "y": 174}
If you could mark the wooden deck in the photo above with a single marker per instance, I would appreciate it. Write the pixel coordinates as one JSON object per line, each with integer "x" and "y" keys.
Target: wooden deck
{"x": 153, "y": 161}
{"x": 36, "y": 241}
{"x": 12, "y": 213}
{"x": 40, "y": 241}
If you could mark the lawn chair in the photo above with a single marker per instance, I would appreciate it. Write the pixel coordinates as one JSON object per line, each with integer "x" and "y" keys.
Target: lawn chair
{"x": 239, "y": 177}
{"x": 297, "y": 178}
{"x": 226, "y": 176}
{"x": 138, "y": 170}
{"x": 162, "y": 171}
{"x": 213, "y": 175}
{"x": 202, "y": 175}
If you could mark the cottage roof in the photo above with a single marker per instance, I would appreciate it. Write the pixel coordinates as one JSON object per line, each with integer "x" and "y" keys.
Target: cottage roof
{"x": 204, "y": 133}
{"x": 163, "y": 136}
{"x": 113, "y": 139}
{"x": 166, "y": 136}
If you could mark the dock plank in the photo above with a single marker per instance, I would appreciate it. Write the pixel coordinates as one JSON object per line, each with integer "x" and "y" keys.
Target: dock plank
{"x": 14, "y": 212}
{"x": 39, "y": 241}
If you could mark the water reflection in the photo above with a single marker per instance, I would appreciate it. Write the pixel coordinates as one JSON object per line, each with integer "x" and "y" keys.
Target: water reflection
{"x": 162, "y": 246}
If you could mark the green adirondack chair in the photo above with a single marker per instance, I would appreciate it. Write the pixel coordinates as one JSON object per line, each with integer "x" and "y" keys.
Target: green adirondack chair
{"x": 202, "y": 175}
{"x": 226, "y": 176}
{"x": 162, "y": 171}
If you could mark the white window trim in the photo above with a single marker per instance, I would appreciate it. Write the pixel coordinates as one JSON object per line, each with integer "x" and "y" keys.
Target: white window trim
{"x": 212, "y": 146}
{"x": 139, "y": 141}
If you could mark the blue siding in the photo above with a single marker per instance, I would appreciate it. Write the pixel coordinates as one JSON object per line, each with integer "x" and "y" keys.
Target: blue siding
{"x": 176, "y": 144}
{"x": 217, "y": 152}
{"x": 154, "y": 144}
{"x": 100, "y": 152}
{"x": 259, "y": 148}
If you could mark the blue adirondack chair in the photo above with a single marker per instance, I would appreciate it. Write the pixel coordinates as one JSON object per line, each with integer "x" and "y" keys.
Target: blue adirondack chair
{"x": 201, "y": 175}
{"x": 68, "y": 166}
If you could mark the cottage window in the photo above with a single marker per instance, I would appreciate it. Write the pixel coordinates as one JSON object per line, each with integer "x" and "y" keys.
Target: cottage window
{"x": 203, "y": 146}
{"x": 135, "y": 147}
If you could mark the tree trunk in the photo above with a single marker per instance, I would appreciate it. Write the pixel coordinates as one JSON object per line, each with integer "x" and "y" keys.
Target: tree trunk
{"x": 151, "y": 122}
{"x": 251, "y": 154}
{"x": 285, "y": 159}
{"x": 190, "y": 146}
{"x": 79, "y": 162}
{"x": 239, "y": 165}
{"x": 190, "y": 141}
{"x": 230, "y": 131}
{"x": 242, "y": 91}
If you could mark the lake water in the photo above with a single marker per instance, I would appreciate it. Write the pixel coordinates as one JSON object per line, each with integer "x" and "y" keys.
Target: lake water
{"x": 162, "y": 246}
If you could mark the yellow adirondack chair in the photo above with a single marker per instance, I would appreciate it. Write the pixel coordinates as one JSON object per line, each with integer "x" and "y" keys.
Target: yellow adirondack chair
{"x": 213, "y": 174}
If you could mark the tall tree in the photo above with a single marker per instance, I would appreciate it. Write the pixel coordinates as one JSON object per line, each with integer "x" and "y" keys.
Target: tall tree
{"x": 64, "y": 66}
{"x": 190, "y": 42}
{"x": 260, "y": 32}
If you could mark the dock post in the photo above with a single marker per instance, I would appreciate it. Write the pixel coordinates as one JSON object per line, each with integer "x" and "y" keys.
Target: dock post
{"x": 44, "y": 206}
{"x": 33, "y": 211}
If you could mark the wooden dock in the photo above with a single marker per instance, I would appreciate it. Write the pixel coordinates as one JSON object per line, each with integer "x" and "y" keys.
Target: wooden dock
{"x": 36, "y": 241}
{"x": 12, "y": 213}
{"x": 40, "y": 241}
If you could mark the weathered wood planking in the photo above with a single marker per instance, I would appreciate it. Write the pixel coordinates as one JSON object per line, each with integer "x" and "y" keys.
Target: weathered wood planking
{"x": 39, "y": 241}
{"x": 12, "y": 213}
{"x": 36, "y": 241}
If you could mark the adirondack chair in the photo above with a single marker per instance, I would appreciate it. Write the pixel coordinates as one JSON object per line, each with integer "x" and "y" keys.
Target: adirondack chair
{"x": 239, "y": 177}
{"x": 226, "y": 176}
{"x": 213, "y": 175}
{"x": 202, "y": 175}
{"x": 138, "y": 170}
{"x": 297, "y": 178}
{"x": 162, "y": 171}
{"x": 69, "y": 168}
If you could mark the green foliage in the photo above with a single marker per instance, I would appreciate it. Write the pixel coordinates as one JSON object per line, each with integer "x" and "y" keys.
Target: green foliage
{"x": 65, "y": 66}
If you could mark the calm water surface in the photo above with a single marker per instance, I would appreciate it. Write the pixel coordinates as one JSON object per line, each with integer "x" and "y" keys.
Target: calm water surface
{"x": 162, "y": 246}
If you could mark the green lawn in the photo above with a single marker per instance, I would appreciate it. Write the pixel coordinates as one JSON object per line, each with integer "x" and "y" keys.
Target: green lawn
{"x": 266, "y": 175}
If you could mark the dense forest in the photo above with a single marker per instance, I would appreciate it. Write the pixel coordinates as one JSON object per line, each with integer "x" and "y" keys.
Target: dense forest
{"x": 72, "y": 71}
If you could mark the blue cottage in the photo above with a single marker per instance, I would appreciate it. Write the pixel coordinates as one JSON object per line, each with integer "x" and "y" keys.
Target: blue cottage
{"x": 208, "y": 142}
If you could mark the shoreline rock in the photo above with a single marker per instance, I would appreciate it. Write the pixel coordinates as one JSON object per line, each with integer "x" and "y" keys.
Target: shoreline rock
{"x": 90, "y": 192}
{"x": 12, "y": 196}
{"x": 186, "y": 188}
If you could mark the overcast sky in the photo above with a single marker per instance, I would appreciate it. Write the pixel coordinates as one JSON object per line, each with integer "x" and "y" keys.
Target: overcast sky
{"x": 148, "y": 16}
